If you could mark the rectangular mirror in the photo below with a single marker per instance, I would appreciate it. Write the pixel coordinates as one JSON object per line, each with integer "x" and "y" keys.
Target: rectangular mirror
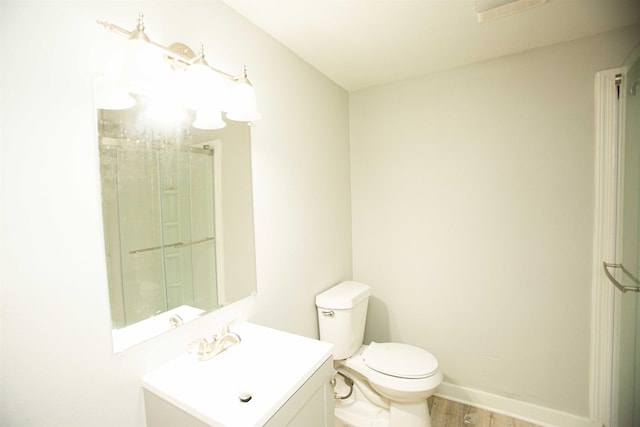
{"x": 177, "y": 207}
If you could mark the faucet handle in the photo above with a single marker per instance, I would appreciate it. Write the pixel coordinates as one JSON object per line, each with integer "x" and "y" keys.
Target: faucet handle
{"x": 203, "y": 346}
{"x": 175, "y": 321}
{"x": 225, "y": 328}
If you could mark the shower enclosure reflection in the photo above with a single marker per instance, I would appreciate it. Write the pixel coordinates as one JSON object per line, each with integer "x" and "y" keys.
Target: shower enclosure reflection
{"x": 178, "y": 219}
{"x": 160, "y": 204}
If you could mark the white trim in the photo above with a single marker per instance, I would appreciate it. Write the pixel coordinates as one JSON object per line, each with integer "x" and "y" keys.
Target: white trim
{"x": 602, "y": 292}
{"x": 519, "y": 409}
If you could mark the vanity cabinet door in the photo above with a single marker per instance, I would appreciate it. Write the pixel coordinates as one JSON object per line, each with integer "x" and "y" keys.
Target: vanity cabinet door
{"x": 161, "y": 413}
{"x": 312, "y": 405}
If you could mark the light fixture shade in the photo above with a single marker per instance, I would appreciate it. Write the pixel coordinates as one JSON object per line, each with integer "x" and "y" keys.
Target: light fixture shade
{"x": 110, "y": 96}
{"x": 142, "y": 67}
{"x": 204, "y": 88}
{"x": 242, "y": 103}
{"x": 208, "y": 118}
{"x": 163, "y": 112}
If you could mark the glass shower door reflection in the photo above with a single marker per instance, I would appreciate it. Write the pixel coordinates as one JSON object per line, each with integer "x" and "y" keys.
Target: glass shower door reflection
{"x": 188, "y": 226}
{"x": 141, "y": 238}
{"x": 175, "y": 196}
{"x": 160, "y": 210}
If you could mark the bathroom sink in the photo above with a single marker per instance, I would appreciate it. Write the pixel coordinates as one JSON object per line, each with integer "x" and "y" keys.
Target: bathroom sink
{"x": 266, "y": 368}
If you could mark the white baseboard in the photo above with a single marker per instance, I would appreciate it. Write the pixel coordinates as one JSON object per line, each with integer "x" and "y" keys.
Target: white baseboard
{"x": 529, "y": 412}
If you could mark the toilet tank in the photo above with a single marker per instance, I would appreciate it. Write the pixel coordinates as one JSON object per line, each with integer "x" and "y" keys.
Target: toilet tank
{"x": 342, "y": 314}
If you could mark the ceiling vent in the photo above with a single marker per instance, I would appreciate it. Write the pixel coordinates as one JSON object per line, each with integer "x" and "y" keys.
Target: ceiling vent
{"x": 488, "y": 10}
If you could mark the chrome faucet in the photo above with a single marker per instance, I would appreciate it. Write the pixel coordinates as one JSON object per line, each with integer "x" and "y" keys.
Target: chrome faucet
{"x": 217, "y": 344}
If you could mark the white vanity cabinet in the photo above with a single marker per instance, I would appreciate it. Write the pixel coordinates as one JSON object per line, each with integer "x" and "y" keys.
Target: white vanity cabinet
{"x": 287, "y": 376}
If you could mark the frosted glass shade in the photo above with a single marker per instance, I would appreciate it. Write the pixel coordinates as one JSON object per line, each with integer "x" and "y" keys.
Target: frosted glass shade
{"x": 208, "y": 118}
{"x": 242, "y": 103}
{"x": 204, "y": 88}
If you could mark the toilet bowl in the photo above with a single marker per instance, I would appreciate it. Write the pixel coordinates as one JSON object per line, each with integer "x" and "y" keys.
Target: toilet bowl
{"x": 399, "y": 372}
{"x": 394, "y": 379}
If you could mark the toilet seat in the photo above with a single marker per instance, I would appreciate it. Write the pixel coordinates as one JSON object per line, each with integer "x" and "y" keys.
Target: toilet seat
{"x": 401, "y": 389}
{"x": 400, "y": 360}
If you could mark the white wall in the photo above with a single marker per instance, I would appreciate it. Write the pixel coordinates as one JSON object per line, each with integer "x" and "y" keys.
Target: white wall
{"x": 57, "y": 368}
{"x": 472, "y": 200}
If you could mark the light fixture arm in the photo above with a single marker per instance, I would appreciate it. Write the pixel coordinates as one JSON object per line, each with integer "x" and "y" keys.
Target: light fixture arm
{"x": 170, "y": 52}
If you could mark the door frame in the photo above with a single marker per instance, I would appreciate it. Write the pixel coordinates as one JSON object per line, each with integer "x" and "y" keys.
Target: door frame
{"x": 607, "y": 158}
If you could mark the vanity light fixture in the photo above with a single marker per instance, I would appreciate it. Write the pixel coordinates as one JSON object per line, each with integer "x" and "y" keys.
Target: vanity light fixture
{"x": 147, "y": 67}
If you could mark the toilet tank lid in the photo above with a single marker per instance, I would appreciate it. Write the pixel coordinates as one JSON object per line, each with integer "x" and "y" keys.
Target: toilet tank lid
{"x": 343, "y": 296}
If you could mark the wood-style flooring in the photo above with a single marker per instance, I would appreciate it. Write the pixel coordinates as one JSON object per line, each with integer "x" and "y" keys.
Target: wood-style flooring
{"x": 446, "y": 413}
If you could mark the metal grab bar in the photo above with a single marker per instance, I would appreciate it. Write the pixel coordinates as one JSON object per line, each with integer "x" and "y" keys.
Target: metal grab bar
{"x": 173, "y": 245}
{"x": 617, "y": 284}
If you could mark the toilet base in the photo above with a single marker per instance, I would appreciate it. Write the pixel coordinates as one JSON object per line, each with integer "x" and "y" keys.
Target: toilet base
{"x": 360, "y": 414}
{"x": 410, "y": 414}
{"x": 359, "y": 410}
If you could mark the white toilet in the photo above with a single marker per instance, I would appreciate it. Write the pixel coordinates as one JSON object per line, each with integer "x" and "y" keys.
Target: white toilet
{"x": 392, "y": 381}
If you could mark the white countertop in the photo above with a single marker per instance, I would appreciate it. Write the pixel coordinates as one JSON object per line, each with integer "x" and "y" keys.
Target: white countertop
{"x": 269, "y": 364}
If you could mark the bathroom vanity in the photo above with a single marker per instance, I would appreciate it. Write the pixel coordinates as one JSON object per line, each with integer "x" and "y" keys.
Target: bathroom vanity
{"x": 271, "y": 378}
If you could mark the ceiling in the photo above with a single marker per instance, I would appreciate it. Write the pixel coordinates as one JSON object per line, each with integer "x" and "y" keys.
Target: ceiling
{"x": 362, "y": 43}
